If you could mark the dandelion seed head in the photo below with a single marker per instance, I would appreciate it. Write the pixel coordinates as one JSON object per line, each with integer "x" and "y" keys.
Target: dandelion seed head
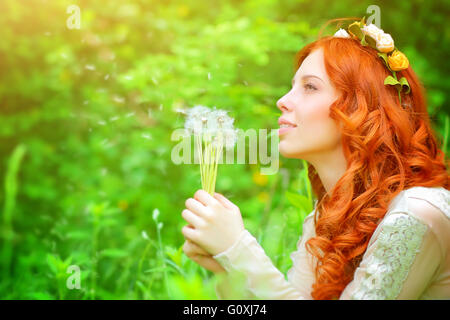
{"x": 230, "y": 138}
{"x": 212, "y": 125}
{"x": 194, "y": 125}
{"x": 198, "y": 111}
{"x": 207, "y": 122}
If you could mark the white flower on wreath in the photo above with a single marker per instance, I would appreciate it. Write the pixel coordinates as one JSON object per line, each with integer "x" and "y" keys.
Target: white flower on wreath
{"x": 385, "y": 43}
{"x": 341, "y": 33}
{"x": 373, "y": 31}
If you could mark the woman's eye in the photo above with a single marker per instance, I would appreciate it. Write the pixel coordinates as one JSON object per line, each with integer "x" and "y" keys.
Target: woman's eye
{"x": 310, "y": 86}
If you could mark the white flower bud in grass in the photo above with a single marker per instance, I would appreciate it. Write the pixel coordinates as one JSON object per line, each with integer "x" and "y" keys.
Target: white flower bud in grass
{"x": 155, "y": 214}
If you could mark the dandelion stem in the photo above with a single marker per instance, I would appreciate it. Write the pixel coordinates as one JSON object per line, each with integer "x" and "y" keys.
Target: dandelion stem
{"x": 199, "y": 152}
{"x": 215, "y": 168}
{"x": 211, "y": 169}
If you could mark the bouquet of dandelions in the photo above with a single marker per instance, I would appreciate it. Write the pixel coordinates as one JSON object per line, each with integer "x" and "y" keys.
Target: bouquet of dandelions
{"x": 213, "y": 130}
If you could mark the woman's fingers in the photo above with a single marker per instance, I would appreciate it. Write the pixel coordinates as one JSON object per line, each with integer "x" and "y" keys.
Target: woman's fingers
{"x": 190, "y": 248}
{"x": 208, "y": 263}
{"x": 197, "y": 208}
{"x": 205, "y": 198}
{"x": 190, "y": 233}
{"x": 225, "y": 202}
{"x": 192, "y": 218}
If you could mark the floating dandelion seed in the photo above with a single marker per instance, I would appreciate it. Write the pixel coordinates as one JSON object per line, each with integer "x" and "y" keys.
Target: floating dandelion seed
{"x": 118, "y": 99}
{"x": 213, "y": 130}
{"x": 180, "y": 110}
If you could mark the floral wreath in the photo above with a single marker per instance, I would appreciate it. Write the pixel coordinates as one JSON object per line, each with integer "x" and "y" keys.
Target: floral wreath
{"x": 394, "y": 59}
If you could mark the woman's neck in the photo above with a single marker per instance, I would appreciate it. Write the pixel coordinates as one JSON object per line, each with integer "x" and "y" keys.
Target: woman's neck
{"x": 330, "y": 166}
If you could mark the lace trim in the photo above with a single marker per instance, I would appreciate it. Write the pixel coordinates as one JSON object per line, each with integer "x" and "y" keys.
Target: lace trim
{"x": 388, "y": 266}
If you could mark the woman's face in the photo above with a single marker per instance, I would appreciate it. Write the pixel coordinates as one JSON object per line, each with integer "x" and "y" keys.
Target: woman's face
{"x": 307, "y": 106}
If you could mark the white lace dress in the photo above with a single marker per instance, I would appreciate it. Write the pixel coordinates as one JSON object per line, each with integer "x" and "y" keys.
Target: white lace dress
{"x": 408, "y": 256}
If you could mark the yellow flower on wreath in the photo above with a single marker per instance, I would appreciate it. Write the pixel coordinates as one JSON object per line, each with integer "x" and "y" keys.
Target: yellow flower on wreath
{"x": 398, "y": 61}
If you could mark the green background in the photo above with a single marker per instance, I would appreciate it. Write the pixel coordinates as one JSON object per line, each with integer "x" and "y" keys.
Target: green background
{"x": 86, "y": 117}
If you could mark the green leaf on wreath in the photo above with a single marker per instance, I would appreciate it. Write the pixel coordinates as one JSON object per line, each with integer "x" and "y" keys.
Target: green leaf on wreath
{"x": 391, "y": 81}
{"x": 383, "y": 56}
{"x": 363, "y": 41}
{"x": 371, "y": 41}
{"x": 355, "y": 29}
{"x": 404, "y": 82}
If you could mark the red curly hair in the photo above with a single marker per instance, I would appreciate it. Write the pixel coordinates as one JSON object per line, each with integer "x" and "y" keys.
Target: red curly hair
{"x": 389, "y": 147}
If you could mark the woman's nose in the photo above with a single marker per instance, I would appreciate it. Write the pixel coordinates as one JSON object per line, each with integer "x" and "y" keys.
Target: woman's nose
{"x": 282, "y": 105}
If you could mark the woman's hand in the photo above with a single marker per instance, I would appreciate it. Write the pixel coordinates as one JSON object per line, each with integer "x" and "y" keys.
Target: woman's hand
{"x": 200, "y": 256}
{"x": 217, "y": 222}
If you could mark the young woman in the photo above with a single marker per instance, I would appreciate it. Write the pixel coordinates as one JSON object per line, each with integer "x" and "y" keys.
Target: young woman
{"x": 380, "y": 228}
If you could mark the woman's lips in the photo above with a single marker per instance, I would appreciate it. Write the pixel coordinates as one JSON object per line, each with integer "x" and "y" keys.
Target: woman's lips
{"x": 283, "y": 130}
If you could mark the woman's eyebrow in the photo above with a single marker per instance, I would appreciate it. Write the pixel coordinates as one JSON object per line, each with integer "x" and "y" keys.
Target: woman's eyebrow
{"x": 307, "y": 76}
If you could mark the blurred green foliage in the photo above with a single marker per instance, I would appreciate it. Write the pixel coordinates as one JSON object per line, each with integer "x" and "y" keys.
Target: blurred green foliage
{"x": 86, "y": 117}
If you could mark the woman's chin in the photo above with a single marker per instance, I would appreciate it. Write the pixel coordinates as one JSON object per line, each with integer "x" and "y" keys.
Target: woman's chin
{"x": 288, "y": 152}
{"x": 285, "y": 151}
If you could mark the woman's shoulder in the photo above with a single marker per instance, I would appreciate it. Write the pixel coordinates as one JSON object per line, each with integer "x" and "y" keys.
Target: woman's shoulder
{"x": 429, "y": 205}
{"x": 423, "y": 202}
